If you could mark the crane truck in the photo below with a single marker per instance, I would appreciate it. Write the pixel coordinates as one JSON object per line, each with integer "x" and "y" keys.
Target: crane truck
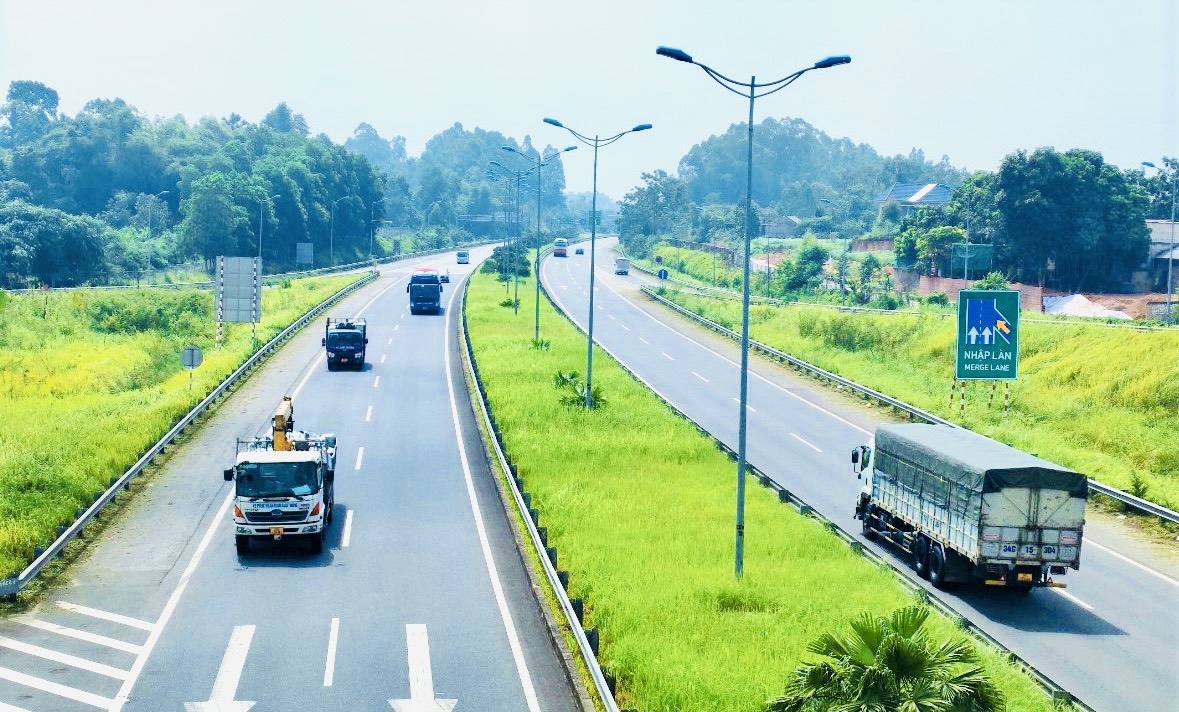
{"x": 968, "y": 508}
{"x": 284, "y": 484}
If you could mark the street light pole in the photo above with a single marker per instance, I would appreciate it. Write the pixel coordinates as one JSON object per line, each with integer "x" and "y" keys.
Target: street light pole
{"x": 510, "y": 250}
{"x": 769, "y": 88}
{"x": 332, "y": 235}
{"x": 597, "y": 143}
{"x": 542, "y": 161}
{"x": 1171, "y": 251}
{"x": 149, "y": 206}
{"x": 261, "y": 209}
{"x": 372, "y": 226}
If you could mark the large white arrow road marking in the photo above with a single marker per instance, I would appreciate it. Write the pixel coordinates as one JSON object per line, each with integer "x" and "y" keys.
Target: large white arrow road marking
{"x": 228, "y": 675}
{"x": 421, "y": 680}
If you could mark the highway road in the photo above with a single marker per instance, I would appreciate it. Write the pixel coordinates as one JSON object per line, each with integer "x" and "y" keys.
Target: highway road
{"x": 420, "y": 600}
{"x": 1111, "y": 638}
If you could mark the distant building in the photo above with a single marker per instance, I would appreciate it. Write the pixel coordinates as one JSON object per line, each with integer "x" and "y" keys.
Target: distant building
{"x": 911, "y": 196}
{"x": 785, "y": 226}
{"x": 1164, "y": 253}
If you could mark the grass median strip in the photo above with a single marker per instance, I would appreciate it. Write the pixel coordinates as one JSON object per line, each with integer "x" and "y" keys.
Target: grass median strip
{"x": 89, "y": 380}
{"x": 639, "y": 506}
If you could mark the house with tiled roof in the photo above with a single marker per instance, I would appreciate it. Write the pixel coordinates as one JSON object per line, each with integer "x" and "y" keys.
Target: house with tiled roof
{"x": 911, "y": 196}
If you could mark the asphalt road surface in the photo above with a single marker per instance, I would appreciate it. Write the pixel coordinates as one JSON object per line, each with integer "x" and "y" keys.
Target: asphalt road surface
{"x": 1111, "y": 638}
{"x": 419, "y": 601}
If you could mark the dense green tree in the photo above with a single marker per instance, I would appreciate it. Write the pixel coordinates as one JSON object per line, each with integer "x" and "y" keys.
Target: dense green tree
{"x": 1069, "y": 219}
{"x": 49, "y": 247}
{"x": 30, "y": 108}
{"x": 658, "y": 207}
{"x": 886, "y": 665}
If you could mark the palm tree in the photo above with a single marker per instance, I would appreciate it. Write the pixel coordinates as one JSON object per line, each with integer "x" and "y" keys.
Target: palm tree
{"x": 889, "y": 665}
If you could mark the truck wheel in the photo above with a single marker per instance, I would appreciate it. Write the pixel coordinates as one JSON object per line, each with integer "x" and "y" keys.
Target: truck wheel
{"x": 242, "y": 544}
{"x": 317, "y": 542}
{"x": 331, "y": 366}
{"x": 921, "y": 556}
{"x": 866, "y": 523}
{"x": 937, "y": 566}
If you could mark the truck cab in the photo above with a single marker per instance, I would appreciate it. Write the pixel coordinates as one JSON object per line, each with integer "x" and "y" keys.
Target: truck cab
{"x": 345, "y": 341}
{"x": 425, "y": 292}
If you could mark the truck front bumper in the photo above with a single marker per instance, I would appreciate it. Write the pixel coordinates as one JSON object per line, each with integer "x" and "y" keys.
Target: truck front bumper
{"x": 277, "y": 531}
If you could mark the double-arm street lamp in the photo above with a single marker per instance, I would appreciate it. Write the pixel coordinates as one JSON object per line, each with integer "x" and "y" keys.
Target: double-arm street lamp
{"x": 753, "y": 90}
{"x": 597, "y": 143}
{"x": 517, "y": 176}
{"x": 539, "y": 162}
{"x": 261, "y": 210}
{"x": 332, "y": 234}
{"x": 1171, "y": 251}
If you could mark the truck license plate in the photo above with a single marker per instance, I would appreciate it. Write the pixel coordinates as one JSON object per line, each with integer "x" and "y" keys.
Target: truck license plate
{"x": 1024, "y": 577}
{"x": 276, "y": 532}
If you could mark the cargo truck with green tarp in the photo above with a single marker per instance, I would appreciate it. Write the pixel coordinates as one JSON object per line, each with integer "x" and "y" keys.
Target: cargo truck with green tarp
{"x": 968, "y": 508}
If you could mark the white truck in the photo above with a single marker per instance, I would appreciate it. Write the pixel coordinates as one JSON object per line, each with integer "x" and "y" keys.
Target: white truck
{"x": 968, "y": 508}
{"x": 621, "y": 265}
{"x": 284, "y": 484}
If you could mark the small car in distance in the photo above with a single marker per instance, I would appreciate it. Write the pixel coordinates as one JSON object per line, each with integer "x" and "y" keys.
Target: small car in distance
{"x": 444, "y": 276}
{"x": 579, "y": 251}
{"x": 462, "y": 257}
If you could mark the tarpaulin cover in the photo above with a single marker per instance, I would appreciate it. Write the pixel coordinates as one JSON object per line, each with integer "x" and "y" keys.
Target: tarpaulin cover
{"x": 976, "y": 463}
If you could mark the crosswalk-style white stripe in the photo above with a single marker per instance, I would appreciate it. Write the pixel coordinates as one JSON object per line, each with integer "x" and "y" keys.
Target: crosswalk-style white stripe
{"x": 83, "y": 635}
{"x": 54, "y": 688}
{"x": 11, "y": 708}
{"x": 58, "y": 657}
{"x": 106, "y": 616}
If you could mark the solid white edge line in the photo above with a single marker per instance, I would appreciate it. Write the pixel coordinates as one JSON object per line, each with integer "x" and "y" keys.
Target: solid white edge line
{"x": 359, "y": 457}
{"x": 170, "y": 606}
{"x": 803, "y": 440}
{"x": 329, "y": 668}
{"x": 64, "y": 658}
{"x": 1073, "y": 598}
{"x": 4, "y": 707}
{"x": 346, "y": 538}
{"x": 1130, "y": 561}
{"x": 106, "y": 615}
{"x": 821, "y": 409}
{"x": 95, "y": 638}
{"x": 54, "y": 688}
{"x": 496, "y": 586}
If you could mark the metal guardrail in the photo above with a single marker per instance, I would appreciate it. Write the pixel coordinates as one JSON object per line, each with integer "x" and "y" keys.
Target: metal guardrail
{"x": 1055, "y": 691}
{"x": 721, "y": 292}
{"x": 1125, "y": 498}
{"x": 590, "y": 658}
{"x": 266, "y": 278}
{"x": 14, "y": 584}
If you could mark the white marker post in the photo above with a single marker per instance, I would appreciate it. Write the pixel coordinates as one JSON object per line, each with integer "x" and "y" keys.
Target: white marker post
{"x": 421, "y": 679}
{"x": 228, "y": 676}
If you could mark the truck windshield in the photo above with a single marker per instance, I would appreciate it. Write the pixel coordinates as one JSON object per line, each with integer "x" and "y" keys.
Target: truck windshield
{"x": 276, "y": 479}
{"x": 345, "y": 338}
{"x": 423, "y": 290}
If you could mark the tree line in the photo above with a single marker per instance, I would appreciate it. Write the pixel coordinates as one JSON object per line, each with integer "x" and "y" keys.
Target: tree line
{"x": 1062, "y": 219}
{"x": 107, "y": 194}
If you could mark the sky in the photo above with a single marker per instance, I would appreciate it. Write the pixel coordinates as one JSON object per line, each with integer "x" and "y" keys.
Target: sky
{"x": 973, "y": 80}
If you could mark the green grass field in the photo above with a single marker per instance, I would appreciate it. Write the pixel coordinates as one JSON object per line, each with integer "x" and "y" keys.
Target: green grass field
{"x": 640, "y": 508}
{"x": 89, "y": 380}
{"x": 1103, "y": 401}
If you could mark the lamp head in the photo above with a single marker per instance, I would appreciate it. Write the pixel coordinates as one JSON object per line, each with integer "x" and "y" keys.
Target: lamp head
{"x": 641, "y": 127}
{"x": 554, "y": 122}
{"x": 568, "y": 148}
{"x": 495, "y": 163}
{"x": 1149, "y": 164}
{"x": 672, "y": 53}
{"x": 832, "y": 61}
